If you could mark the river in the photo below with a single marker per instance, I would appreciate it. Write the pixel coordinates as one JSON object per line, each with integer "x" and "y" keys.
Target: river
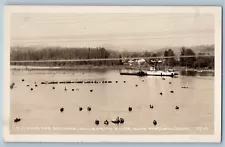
{"x": 39, "y": 109}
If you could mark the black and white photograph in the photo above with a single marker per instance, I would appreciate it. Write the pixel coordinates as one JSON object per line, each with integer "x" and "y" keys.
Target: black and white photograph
{"x": 109, "y": 73}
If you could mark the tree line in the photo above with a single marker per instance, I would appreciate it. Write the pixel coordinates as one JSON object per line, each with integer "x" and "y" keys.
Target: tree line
{"x": 58, "y": 53}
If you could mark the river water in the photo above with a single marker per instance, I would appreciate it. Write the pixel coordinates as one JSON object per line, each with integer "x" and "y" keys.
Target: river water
{"x": 39, "y": 109}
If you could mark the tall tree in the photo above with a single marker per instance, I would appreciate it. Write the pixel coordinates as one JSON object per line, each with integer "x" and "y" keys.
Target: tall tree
{"x": 204, "y": 62}
{"x": 171, "y": 61}
{"x": 120, "y": 61}
{"x": 187, "y": 61}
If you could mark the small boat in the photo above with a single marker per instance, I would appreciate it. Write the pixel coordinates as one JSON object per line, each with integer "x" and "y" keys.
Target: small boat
{"x": 117, "y": 121}
{"x": 17, "y": 120}
{"x": 12, "y": 85}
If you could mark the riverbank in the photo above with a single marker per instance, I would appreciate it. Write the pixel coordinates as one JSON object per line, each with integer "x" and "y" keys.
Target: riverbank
{"x": 196, "y": 70}
{"x": 87, "y": 67}
{"x": 19, "y": 67}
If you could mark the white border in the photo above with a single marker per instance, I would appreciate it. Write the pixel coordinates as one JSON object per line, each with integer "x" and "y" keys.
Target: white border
{"x": 216, "y": 11}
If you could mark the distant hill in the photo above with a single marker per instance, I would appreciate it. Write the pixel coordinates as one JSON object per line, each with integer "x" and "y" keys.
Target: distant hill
{"x": 202, "y": 48}
{"x": 196, "y": 49}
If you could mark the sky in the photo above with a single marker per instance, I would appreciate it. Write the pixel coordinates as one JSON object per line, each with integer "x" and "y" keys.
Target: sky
{"x": 113, "y": 31}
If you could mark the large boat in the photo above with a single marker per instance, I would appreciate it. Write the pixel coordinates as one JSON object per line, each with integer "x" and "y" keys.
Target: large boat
{"x": 154, "y": 72}
{"x": 161, "y": 73}
{"x": 134, "y": 73}
{"x": 151, "y": 72}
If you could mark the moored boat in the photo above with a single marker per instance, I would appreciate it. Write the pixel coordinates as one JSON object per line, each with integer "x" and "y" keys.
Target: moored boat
{"x": 134, "y": 73}
{"x": 170, "y": 73}
{"x": 161, "y": 73}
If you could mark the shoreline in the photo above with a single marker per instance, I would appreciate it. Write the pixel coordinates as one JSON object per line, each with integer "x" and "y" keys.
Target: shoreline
{"x": 19, "y": 67}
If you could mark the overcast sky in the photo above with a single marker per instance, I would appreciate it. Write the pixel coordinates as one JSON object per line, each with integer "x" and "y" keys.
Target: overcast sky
{"x": 114, "y": 31}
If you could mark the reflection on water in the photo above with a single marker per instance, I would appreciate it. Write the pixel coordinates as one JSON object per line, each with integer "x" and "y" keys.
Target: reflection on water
{"x": 196, "y": 73}
{"x": 40, "y": 107}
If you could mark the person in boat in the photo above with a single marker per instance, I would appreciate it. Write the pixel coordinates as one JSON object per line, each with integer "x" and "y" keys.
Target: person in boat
{"x": 12, "y": 85}
{"x": 117, "y": 121}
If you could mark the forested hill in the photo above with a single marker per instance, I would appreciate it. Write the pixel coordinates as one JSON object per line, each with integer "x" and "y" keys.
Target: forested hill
{"x": 51, "y": 53}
